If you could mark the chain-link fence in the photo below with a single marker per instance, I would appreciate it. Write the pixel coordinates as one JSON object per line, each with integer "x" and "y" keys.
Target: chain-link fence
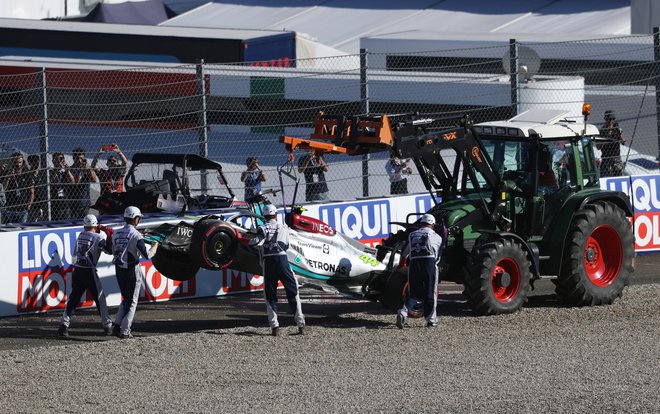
{"x": 69, "y": 135}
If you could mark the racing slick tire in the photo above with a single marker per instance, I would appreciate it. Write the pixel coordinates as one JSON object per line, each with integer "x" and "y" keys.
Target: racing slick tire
{"x": 213, "y": 244}
{"x": 174, "y": 265}
{"x": 598, "y": 256}
{"x": 497, "y": 277}
{"x": 395, "y": 289}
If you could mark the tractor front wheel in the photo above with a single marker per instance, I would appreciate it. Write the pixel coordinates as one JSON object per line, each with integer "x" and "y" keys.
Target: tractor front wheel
{"x": 497, "y": 278}
{"x": 598, "y": 257}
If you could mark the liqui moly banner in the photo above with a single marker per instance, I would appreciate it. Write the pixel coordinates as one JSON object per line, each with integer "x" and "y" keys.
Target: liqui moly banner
{"x": 38, "y": 270}
{"x": 644, "y": 193}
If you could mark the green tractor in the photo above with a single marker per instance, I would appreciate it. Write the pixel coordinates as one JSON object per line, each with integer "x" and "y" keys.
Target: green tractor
{"x": 521, "y": 201}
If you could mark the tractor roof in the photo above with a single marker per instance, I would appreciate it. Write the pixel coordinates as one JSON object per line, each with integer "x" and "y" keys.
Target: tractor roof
{"x": 548, "y": 123}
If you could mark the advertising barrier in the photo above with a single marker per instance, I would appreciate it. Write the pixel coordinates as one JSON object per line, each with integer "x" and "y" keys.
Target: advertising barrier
{"x": 38, "y": 262}
{"x": 643, "y": 191}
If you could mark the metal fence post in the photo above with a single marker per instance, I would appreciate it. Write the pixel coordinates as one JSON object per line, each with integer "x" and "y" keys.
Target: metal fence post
{"x": 364, "y": 95}
{"x": 201, "y": 120}
{"x": 656, "y": 75}
{"x": 513, "y": 57}
{"x": 43, "y": 136}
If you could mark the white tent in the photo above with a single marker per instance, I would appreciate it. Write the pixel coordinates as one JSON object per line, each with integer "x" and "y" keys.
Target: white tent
{"x": 340, "y": 24}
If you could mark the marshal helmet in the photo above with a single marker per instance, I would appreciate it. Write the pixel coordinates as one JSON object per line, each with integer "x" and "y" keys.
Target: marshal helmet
{"x": 132, "y": 212}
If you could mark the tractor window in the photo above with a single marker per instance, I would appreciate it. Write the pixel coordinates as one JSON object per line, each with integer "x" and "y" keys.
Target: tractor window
{"x": 508, "y": 155}
{"x": 588, "y": 162}
{"x": 562, "y": 162}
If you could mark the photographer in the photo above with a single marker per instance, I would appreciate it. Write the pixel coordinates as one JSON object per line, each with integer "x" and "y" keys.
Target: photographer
{"x": 611, "y": 164}
{"x": 61, "y": 181}
{"x": 252, "y": 177}
{"x": 398, "y": 171}
{"x": 83, "y": 176}
{"x": 313, "y": 167}
{"x": 112, "y": 178}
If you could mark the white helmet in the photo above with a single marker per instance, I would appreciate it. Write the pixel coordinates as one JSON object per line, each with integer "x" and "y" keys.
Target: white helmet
{"x": 269, "y": 210}
{"x": 90, "y": 221}
{"x": 427, "y": 219}
{"x": 132, "y": 212}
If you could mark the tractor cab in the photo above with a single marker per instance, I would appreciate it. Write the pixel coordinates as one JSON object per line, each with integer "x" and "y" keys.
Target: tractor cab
{"x": 545, "y": 157}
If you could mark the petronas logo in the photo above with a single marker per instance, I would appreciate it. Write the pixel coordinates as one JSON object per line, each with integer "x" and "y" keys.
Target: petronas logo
{"x": 298, "y": 259}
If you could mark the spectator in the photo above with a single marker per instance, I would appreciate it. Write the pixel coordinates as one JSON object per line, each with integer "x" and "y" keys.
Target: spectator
{"x": 313, "y": 166}
{"x": 398, "y": 171}
{"x": 61, "y": 180}
{"x": 19, "y": 190}
{"x": 252, "y": 177}
{"x": 111, "y": 179}
{"x": 83, "y": 176}
{"x": 610, "y": 164}
{"x": 38, "y": 212}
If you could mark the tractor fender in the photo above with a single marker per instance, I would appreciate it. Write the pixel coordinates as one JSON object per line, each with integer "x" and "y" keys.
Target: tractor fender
{"x": 616, "y": 197}
{"x": 531, "y": 248}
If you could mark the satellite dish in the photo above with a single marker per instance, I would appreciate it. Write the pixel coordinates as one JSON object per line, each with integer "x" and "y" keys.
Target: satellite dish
{"x": 529, "y": 62}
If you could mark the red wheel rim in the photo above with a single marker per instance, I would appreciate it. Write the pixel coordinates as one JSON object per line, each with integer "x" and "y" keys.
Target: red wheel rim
{"x": 505, "y": 280}
{"x": 603, "y": 255}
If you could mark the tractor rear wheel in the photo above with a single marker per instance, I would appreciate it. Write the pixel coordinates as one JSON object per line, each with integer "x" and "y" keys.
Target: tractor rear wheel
{"x": 497, "y": 278}
{"x": 598, "y": 257}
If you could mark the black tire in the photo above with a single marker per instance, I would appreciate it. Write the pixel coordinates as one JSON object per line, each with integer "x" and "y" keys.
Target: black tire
{"x": 393, "y": 294}
{"x": 174, "y": 265}
{"x": 598, "y": 256}
{"x": 497, "y": 277}
{"x": 213, "y": 244}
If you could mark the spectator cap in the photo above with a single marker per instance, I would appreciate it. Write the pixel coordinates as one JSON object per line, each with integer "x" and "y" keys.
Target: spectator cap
{"x": 427, "y": 219}
{"x": 90, "y": 221}
{"x": 132, "y": 212}
{"x": 270, "y": 210}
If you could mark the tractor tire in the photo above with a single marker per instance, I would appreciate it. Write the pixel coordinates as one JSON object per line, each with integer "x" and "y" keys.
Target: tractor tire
{"x": 213, "y": 244}
{"x": 395, "y": 289}
{"x": 497, "y": 277}
{"x": 174, "y": 265}
{"x": 598, "y": 256}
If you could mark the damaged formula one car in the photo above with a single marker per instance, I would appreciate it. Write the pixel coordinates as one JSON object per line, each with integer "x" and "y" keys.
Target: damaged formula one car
{"x": 317, "y": 253}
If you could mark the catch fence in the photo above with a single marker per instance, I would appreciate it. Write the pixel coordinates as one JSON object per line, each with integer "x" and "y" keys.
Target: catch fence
{"x": 230, "y": 113}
